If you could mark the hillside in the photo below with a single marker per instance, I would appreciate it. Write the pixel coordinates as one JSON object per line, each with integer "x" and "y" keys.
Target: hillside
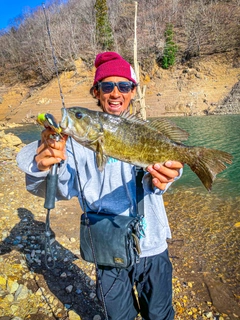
{"x": 199, "y": 87}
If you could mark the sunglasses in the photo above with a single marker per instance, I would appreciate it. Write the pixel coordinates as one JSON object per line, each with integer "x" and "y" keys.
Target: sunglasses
{"x": 123, "y": 86}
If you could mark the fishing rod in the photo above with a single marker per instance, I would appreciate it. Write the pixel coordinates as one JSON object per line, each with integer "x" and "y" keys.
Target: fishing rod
{"x": 48, "y": 121}
{"x": 52, "y": 178}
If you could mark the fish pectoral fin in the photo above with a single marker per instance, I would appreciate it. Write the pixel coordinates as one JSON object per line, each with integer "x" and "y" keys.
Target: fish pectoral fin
{"x": 101, "y": 158}
{"x": 169, "y": 129}
{"x": 101, "y": 161}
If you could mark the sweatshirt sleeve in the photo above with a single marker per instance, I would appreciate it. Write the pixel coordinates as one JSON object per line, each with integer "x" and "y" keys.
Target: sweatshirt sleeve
{"x": 36, "y": 180}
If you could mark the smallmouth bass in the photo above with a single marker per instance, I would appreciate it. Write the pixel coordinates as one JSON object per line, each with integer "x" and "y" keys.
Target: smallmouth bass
{"x": 139, "y": 142}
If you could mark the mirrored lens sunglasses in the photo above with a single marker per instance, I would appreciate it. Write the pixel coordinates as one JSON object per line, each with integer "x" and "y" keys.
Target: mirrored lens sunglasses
{"x": 123, "y": 86}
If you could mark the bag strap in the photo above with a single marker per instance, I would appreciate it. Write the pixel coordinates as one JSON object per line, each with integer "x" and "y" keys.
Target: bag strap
{"x": 139, "y": 191}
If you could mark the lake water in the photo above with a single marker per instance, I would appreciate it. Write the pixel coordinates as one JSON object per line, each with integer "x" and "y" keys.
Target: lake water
{"x": 219, "y": 132}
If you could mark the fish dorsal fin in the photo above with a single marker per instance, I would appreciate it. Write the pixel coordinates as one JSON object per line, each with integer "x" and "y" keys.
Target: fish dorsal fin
{"x": 169, "y": 129}
{"x": 132, "y": 117}
{"x": 162, "y": 125}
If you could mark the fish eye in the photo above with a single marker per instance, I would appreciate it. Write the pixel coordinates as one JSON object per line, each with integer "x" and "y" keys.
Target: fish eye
{"x": 78, "y": 115}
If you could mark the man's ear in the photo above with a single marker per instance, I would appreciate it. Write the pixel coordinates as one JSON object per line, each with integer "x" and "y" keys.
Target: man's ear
{"x": 96, "y": 93}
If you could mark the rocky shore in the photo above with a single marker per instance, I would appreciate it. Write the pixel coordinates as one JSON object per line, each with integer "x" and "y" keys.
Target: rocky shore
{"x": 231, "y": 103}
{"x": 30, "y": 289}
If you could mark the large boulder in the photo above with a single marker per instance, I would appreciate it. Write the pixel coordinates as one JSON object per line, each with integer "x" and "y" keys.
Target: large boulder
{"x": 9, "y": 140}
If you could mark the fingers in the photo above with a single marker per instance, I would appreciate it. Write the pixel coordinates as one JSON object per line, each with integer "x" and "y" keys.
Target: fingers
{"x": 50, "y": 151}
{"x": 48, "y": 133}
{"x": 173, "y": 164}
{"x": 45, "y": 134}
{"x": 46, "y": 163}
{"x": 51, "y": 144}
{"x": 162, "y": 174}
{"x": 46, "y": 158}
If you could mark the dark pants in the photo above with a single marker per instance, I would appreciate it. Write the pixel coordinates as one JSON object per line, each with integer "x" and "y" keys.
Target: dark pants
{"x": 153, "y": 279}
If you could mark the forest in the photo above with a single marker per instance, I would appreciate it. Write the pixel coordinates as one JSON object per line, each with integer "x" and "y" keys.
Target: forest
{"x": 172, "y": 29}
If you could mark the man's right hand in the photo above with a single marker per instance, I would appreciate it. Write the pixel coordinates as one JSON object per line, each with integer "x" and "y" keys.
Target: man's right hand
{"x": 50, "y": 151}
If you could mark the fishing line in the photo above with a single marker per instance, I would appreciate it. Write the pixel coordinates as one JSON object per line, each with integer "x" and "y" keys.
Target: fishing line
{"x": 53, "y": 55}
{"x": 51, "y": 186}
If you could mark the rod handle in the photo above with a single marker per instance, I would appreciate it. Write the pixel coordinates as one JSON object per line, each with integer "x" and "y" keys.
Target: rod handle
{"x": 51, "y": 187}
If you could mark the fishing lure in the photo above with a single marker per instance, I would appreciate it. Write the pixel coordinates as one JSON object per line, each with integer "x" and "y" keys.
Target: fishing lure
{"x": 48, "y": 121}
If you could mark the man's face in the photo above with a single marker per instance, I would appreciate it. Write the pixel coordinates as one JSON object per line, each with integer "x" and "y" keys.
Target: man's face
{"x": 114, "y": 102}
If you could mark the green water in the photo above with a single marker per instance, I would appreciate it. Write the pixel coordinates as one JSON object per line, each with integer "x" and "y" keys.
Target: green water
{"x": 218, "y": 132}
{"x": 27, "y": 133}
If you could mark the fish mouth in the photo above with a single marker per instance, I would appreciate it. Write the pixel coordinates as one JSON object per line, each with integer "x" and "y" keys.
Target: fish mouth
{"x": 64, "y": 122}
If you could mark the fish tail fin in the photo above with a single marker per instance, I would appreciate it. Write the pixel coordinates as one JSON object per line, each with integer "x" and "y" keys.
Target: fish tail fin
{"x": 207, "y": 163}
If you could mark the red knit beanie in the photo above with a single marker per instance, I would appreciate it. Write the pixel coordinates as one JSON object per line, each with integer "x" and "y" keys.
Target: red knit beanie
{"x": 110, "y": 64}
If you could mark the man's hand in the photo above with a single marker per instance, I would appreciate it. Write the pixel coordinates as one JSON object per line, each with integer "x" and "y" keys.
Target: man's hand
{"x": 50, "y": 151}
{"x": 162, "y": 174}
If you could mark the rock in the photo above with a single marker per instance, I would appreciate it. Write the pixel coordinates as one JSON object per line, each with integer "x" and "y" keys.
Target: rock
{"x": 69, "y": 288}
{"x": 221, "y": 296}
{"x": 14, "y": 308}
{"x": 78, "y": 291}
{"x": 12, "y": 286}
{"x": 9, "y": 297}
{"x": 22, "y": 292}
{"x": 12, "y": 140}
{"x": 40, "y": 291}
{"x": 209, "y": 315}
{"x": 230, "y": 104}
{"x": 3, "y": 281}
{"x": 73, "y": 316}
{"x": 63, "y": 275}
{"x": 92, "y": 283}
{"x": 92, "y": 295}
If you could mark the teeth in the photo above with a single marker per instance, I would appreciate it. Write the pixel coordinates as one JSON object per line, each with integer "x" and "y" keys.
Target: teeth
{"x": 116, "y": 103}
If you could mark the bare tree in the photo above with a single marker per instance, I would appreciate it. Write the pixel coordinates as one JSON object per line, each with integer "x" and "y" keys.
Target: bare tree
{"x": 140, "y": 91}
{"x": 201, "y": 27}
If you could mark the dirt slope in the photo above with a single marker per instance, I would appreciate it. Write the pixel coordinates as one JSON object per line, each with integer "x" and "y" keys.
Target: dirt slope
{"x": 190, "y": 89}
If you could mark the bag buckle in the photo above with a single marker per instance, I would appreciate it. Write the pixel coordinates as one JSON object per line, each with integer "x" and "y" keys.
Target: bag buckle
{"x": 137, "y": 244}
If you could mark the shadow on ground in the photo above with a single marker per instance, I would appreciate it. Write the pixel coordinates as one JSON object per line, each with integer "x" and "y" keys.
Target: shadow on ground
{"x": 67, "y": 281}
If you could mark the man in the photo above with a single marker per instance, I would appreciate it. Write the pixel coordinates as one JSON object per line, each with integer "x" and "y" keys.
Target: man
{"x": 114, "y": 191}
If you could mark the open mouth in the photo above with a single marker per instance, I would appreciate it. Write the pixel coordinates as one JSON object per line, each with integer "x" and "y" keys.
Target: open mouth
{"x": 64, "y": 121}
{"x": 115, "y": 104}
